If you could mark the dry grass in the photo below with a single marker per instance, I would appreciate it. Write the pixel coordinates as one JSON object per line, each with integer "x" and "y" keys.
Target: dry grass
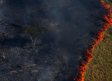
{"x": 100, "y": 67}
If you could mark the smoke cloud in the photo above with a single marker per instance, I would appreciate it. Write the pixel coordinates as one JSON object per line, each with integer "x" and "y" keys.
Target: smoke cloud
{"x": 57, "y": 53}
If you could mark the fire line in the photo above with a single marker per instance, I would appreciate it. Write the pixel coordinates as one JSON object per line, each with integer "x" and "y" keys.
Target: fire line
{"x": 100, "y": 36}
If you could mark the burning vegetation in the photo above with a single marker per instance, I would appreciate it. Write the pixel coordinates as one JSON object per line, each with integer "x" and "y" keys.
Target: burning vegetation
{"x": 100, "y": 36}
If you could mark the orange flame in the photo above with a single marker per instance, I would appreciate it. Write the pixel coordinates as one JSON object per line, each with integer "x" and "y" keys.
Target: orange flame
{"x": 100, "y": 36}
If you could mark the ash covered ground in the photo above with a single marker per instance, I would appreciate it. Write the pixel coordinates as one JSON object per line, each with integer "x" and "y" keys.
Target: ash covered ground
{"x": 54, "y": 54}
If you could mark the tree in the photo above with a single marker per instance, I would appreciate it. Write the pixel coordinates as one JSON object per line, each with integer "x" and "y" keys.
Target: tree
{"x": 34, "y": 31}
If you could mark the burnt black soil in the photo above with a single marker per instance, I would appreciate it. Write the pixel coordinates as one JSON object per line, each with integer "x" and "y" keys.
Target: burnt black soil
{"x": 54, "y": 55}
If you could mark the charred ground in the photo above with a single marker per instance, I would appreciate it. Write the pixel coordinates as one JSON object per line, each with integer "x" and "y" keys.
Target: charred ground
{"x": 55, "y": 54}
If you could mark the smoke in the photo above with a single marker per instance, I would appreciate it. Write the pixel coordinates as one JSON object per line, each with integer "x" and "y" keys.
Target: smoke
{"x": 72, "y": 25}
{"x": 47, "y": 75}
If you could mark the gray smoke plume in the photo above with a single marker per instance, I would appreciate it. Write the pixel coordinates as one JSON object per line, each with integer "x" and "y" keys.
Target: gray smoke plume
{"x": 55, "y": 55}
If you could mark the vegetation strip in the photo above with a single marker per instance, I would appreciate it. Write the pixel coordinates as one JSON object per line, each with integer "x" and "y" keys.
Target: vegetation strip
{"x": 100, "y": 36}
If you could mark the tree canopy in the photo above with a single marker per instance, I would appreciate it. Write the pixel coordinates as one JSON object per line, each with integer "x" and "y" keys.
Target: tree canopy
{"x": 34, "y": 30}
